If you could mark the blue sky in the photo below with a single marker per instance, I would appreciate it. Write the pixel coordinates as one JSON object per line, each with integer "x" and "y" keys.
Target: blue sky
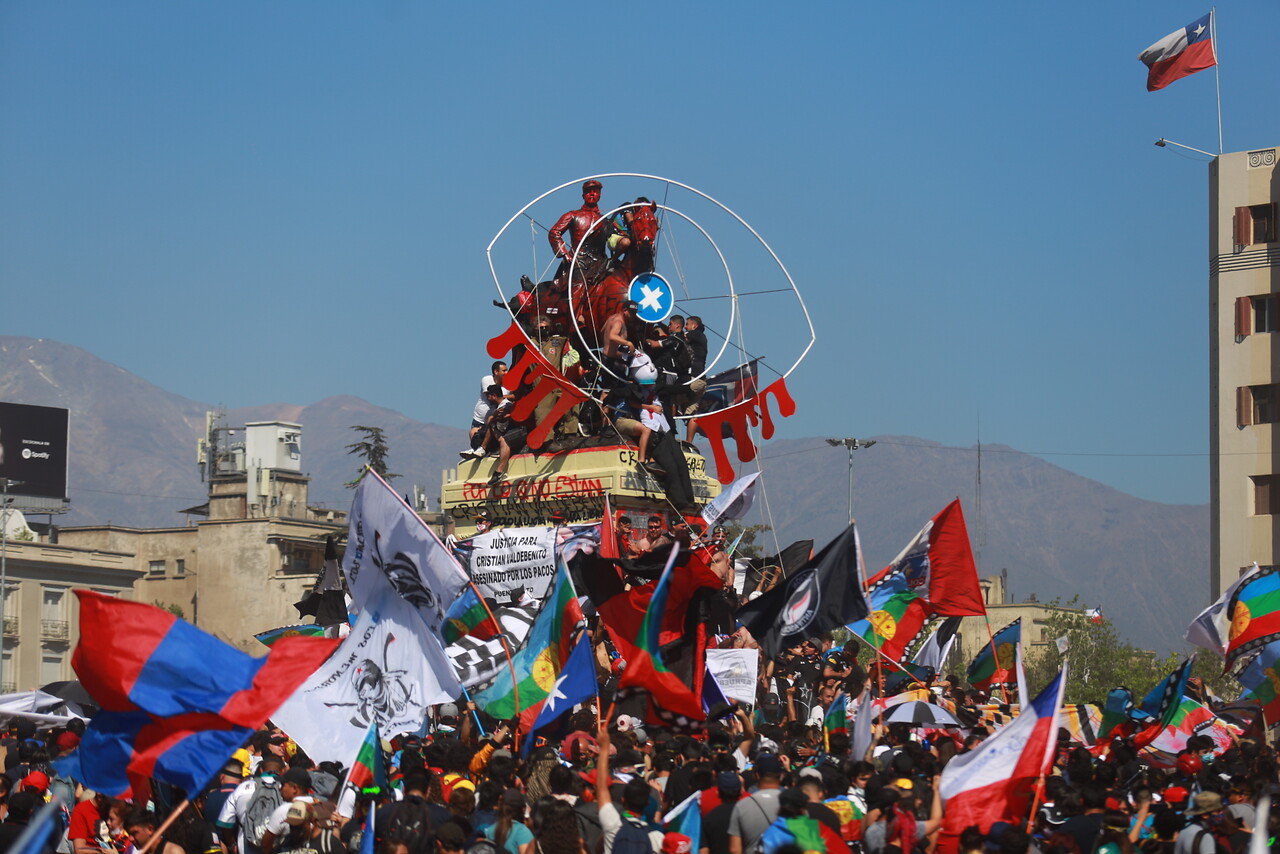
{"x": 255, "y": 202}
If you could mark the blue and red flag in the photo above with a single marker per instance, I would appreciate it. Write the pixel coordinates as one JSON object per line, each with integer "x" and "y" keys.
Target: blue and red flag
{"x": 176, "y": 701}
{"x": 1180, "y": 53}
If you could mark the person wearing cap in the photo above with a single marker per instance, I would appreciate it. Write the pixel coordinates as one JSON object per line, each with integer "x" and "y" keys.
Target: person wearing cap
{"x": 588, "y": 237}
{"x": 231, "y": 819}
{"x": 752, "y": 815}
{"x": 509, "y": 832}
{"x": 1205, "y": 820}
{"x": 295, "y": 788}
{"x": 715, "y": 822}
{"x": 231, "y": 776}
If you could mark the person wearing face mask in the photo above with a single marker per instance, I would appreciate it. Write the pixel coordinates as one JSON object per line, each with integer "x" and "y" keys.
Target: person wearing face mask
{"x": 242, "y": 820}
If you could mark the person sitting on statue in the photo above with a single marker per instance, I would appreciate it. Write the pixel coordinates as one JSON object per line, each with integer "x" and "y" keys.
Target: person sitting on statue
{"x": 586, "y": 241}
{"x": 620, "y": 240}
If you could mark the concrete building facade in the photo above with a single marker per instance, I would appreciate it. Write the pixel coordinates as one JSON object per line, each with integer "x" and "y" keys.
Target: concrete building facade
{"x": 257, "y": 551}
{"x": 1244, "y": 363}
{"x": 42, "y": 615}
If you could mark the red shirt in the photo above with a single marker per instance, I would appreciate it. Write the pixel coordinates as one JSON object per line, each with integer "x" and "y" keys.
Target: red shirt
{"x": 84, "y": 821}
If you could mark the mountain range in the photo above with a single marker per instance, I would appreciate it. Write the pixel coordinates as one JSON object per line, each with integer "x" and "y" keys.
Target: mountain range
{"x": 1059, "y": 535}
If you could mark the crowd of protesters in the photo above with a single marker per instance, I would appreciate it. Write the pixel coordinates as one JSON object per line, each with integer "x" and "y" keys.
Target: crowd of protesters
{"x": 771, "y": 780}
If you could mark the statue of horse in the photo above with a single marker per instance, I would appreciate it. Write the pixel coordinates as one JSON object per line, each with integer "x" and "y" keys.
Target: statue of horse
{"x": 594, "y": 302}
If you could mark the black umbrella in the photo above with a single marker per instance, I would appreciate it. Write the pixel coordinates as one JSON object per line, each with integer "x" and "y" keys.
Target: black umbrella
{"x": 920, "y": 714}
{"x": 73, "y": 694}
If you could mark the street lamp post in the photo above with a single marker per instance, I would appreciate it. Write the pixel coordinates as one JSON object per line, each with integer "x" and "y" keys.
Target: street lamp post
{"x": 5, "y": 483}
{"x": 853, "y": 445}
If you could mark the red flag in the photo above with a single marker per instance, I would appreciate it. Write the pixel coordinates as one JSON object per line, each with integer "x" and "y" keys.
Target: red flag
{"x": 939, "y": 567}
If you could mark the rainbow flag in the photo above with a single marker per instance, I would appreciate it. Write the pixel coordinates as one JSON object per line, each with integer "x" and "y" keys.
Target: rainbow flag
{"x": 540, "y": 659}
{"x": 468, "y": 617}
{"x": 985, "y": 669}
{"x": 897, "y": 616}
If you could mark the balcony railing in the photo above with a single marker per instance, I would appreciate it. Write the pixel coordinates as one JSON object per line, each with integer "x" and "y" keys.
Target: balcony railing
{"x": 53, "y": 629}
{"x": 8, "y": 687}
{"x": 11, "y": 627}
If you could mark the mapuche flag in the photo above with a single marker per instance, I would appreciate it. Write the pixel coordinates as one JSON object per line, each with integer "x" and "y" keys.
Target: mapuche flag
{"x": 176, "y": 701}
{"x": 1262, "y": 681}
{"x": 822, "y": 595}
{"x": 995, "y": 661}
{"x": 896, "y": 617}
{"x": 538, "y": 663}
{"x": 938, "y": 566}
{"x": 1255, "y": 615}
{"x": 1184, "y": 51}
{"x": 1162, "y": 703}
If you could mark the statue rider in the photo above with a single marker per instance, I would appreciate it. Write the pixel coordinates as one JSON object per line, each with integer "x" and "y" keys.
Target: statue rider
{"x": 592, "y": 258}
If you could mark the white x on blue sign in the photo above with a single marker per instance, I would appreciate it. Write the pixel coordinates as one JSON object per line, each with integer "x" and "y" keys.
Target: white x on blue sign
{"x": 654, "y": 296}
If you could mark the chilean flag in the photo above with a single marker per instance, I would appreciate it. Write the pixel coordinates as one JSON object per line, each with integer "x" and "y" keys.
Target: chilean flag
{"x": 176, "y": 702}
{"x": 1180, "y": 53}
{"x": 995, "y": 782}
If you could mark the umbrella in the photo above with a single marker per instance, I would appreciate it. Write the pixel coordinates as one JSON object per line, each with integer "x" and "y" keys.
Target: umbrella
{"x": 74, "y": 695}
{"x": 918, "y": 713}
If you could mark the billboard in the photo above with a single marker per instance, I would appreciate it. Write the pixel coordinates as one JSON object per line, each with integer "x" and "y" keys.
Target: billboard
{"x": 33, "y": 449}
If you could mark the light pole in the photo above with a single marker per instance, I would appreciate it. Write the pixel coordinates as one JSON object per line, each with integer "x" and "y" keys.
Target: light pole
{"x": 5, "y": 483}
{"x": 853, "y": 445}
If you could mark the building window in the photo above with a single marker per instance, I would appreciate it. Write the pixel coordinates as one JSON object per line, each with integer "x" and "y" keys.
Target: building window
{"x": 1257, "y": 404}
{"x": 1264, "y": 488}
{"x": 1255, "y": 224}
{"x": 50, "y": 667}
{"x": 1264, "y": 313}
{"x": 180, "y": 567}
{"x": 155, "y": 567}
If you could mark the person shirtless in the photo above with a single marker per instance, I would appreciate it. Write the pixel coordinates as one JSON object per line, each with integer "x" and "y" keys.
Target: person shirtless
{"x": 614, "y": 333}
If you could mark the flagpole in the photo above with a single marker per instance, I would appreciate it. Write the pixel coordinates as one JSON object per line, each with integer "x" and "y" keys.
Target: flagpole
{"x": 515, "y": 688}
{"x": 1217, "y": 78}
{"x": 995, "y": 656}
{"x": 155, "y": 837}
{"x": 474, "y": 713}
{"x": 886, "y": 657}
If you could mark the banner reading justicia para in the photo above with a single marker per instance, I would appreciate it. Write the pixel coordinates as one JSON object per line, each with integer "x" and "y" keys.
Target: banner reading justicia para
{"x": 512, "y": 562}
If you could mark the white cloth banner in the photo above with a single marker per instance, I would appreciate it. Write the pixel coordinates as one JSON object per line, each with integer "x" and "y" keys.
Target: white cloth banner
{"x": 733, "y": 502}
{"x": 389, "y": 669}
{"x": 735, "y": 671}
{"x": 503, "y": 563}
{"x": 387, "y": 543}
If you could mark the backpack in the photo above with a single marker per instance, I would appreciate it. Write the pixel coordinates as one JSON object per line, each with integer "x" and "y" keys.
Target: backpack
{"x": 1218, "y": 847}
{"x": 410, "y": 823}
{"x": 589, "y": 827}
{"x": 483, "y": 846}
{"x": 632, "y": 838}
{"x": 262, "y": 803}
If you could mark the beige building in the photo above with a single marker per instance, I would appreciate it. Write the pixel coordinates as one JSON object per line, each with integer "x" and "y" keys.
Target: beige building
{"x": 1244, "y": 363}
{"x": 257, "y": 550}
{"x": 973, "y": 634}
{"x": 41, "y": 614}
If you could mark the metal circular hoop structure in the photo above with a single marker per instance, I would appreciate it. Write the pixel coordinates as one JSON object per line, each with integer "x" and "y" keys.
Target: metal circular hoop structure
{"x": 732, "y": 295}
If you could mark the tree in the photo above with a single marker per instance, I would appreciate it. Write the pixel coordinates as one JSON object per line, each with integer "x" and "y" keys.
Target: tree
{"x": 747, "y": 549}
{"x": 372, "y": 448}
{"x": 1098, "y": 660}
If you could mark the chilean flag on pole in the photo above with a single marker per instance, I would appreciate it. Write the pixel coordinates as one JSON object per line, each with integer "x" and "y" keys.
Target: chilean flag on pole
{"x": 996, "y": 781}
{"x": 1180, "y": 53}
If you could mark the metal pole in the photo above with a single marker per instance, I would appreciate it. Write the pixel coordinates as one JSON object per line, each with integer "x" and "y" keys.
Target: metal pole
{"x": 4, "y": 555}
{"x": 853, "y": 445}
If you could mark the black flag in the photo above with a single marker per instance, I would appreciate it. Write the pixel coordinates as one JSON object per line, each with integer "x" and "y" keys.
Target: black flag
{"x": 822, "y": 595}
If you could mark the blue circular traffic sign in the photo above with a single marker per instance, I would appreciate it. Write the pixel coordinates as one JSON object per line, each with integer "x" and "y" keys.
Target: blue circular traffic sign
{"x": 654, "y": 296}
